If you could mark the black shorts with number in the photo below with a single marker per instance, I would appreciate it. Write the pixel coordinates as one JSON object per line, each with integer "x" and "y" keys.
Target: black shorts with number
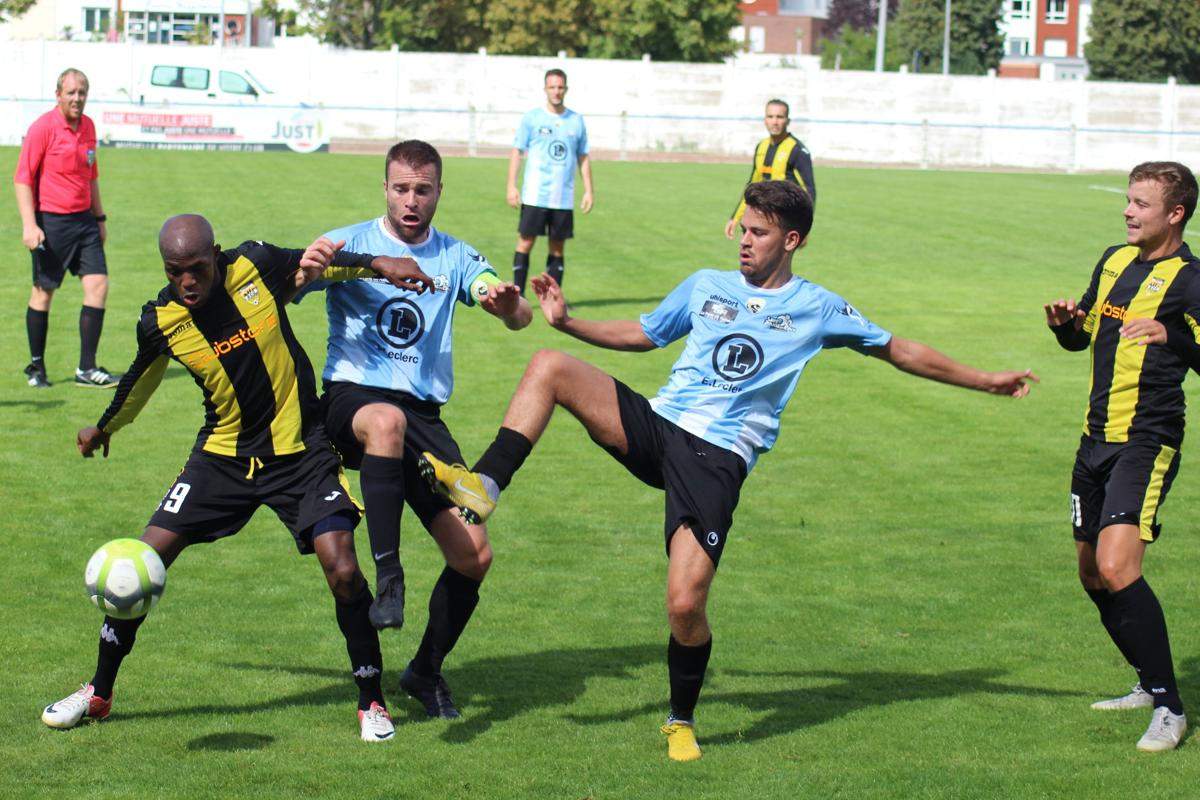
{"x": 1120, "y": 483}
{"x": 702, "y": 481}
{"x": 72, "y": 245}
{"x": 215, "y": 496}
{"x": 557, "y": 223}
{"x": 425, "y": 432}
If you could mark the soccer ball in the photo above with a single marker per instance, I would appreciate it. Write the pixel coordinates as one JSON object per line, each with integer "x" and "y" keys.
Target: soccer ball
{"x": 125, "y": 578}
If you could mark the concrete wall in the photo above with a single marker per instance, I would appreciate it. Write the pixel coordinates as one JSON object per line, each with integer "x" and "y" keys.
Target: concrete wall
{"x": 667, "y": 109}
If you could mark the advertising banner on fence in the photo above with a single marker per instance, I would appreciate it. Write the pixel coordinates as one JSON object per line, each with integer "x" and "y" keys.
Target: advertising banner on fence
{"x": 198, "y": 127}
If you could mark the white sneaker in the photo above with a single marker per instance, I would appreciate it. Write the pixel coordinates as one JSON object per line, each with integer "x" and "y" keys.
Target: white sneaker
{"x": 1137, "y": 698}
{"x": 376, "y": 724}
{"x": 70, "y": 711}
{"x": 1165, "y": 731}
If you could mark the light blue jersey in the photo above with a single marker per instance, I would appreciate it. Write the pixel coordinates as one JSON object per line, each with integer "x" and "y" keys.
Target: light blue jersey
{"x": 552, "y": 144}
{"x": 392, "y": 338}
{"x": 746, "y": 348}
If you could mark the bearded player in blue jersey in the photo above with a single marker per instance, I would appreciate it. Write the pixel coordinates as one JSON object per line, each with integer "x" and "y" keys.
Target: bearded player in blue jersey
{"x": 749, "y": 335}
{"x": 387, "y": 373}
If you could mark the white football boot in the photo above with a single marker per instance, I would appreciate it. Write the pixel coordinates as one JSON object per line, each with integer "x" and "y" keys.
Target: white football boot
{"x": 71, "y": 710}
{"x": 1137, "y": 698}
{"x": 376, "y": 724}
{"x": 1165, "y": 731}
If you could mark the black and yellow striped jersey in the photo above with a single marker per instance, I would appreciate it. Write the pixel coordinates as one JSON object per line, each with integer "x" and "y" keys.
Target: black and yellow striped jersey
{"x": 787, "y": 161}
{"x": 260, "y": 397}
{"x": 1136, "y": 390}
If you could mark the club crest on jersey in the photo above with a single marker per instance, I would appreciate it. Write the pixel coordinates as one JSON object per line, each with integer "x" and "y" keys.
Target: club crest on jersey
{"x": 718, "y": 311}
{"x": 1155, "y": 285}
{"x": 851, "y": 312}
{"x": 756, "y": 304}
{"x": 780, "y": 322}
{"x": 441, "y": 283}
{"x": 249, "y": 293}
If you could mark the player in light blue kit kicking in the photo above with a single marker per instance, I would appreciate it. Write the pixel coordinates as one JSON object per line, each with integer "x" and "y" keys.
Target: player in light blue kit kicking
{"x": 556, "y": 140}
{"x": 749, "y": 335}
{"x": 387, "y": 374}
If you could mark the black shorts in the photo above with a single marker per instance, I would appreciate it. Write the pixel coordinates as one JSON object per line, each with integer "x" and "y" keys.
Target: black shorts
{"x": 702, "y": 481}
{"x": 425, "y": 432}
{"x": 72, "y": 244}
{"x": 1122, "y": 483}
{"x": 215, "y": 496}
{"x": 557, "y": 223}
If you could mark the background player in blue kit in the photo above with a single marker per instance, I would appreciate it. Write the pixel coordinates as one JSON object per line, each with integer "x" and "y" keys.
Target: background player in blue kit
{"x": 749, "y": 335}
{"x": 387, "y": 374}
{"x": 555, "y": 140}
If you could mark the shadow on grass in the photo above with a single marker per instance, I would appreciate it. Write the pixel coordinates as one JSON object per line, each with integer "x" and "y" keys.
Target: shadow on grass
{"x": 495, "y": 690}
{"x": 230, "y": 742}
{"x": 600, "y": 302}
{"x": 35, "y": 404}
{"x": 841, "y": 693}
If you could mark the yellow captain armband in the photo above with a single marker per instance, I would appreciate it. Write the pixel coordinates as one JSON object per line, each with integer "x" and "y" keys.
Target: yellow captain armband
{"x": 479, "y": 287}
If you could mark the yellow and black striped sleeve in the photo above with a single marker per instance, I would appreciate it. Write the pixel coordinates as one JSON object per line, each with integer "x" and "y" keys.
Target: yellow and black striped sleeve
{"x": 800, "y": 170}
{"x": 278, "y": 265}
{"x": 1184, "y": 336}
{"x": 138, "y": 383}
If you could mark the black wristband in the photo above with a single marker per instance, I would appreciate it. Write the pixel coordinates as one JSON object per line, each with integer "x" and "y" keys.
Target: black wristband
{"x": 102, "y": 218}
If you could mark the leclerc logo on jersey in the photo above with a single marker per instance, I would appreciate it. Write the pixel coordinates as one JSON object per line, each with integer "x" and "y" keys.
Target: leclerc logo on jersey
{"x": 558, "y": 151}
{"x": 737, "y": 357}
{"x": 400, "y": 322}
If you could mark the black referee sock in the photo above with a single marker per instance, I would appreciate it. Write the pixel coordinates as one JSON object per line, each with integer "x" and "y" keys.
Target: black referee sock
{"x": 451, "y": 604}
{"x": 37, "y": 323}
{"x": 1108, "y": 617}
{"x": 555, "y": 266}
{"x": 116, "y": 641}
{"x": 686, "y": 667}
{"x": 362, "y": 645}
{"x": 1143, "y": 627}
{"x": 91, "y": 322}
{"x": 504, "y": 457}
{"x": 520, "y": 270}
{"x": 382, "y": 482}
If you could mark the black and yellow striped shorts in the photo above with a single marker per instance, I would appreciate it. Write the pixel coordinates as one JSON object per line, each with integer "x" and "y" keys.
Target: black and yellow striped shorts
{"x": 1120, "y": 483}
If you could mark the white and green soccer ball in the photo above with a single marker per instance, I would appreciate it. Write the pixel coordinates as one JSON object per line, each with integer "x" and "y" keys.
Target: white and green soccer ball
{"x": 125, "y": 578}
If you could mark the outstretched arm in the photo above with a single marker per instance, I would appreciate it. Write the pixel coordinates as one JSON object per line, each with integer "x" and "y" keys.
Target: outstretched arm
{"x": 925, "y": 362}
{"x": 612, "y": 334}
{"x": 503, "y": 300}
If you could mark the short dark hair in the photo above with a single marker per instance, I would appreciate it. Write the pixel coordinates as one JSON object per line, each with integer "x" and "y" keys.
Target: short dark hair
{"x": 554, "y": 71}
{"x": 775, "y": 101}
{"x": 1177, "y": 181}
{"x": 415, "y": 153}
{"x": 784, "y": 203}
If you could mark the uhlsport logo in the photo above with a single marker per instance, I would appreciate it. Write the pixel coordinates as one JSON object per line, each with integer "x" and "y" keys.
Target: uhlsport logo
{"x": 737, "y": 357}
{"x": 400, "y": 322}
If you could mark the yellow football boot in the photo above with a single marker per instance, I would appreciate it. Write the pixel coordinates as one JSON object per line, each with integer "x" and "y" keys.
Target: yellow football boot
{"x": 681, "y": 741}
{"x": 458, "y": 485}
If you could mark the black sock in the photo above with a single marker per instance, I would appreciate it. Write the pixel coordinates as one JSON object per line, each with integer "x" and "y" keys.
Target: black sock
{"x": 686, "y": 667}
{"x": 555, "y": 266}
{"x": 504, "y": 456}
{"x": 382, "y": 482}
{"x": 520, "y": 270}
{"x": 362, "y": 644}
{"x": 451, "y": 604}
{"x": 1108, "y": 617}
{"x": 91, "y": 322}
{"x": 1143, "y": 627}
{"x": 116, "y": 641}
{"x": 36, "y": 325}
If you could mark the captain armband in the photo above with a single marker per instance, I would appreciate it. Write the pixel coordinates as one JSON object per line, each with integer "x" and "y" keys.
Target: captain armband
{"x": 479, "y": 287}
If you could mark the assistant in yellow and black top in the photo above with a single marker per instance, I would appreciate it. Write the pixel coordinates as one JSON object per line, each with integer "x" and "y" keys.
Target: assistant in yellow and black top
{"x": 779, "y": 157}
{"x": 1137, "y": 391}
{"x": 259, "y": 392}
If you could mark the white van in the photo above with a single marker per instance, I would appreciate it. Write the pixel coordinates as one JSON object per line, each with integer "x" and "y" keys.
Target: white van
{"x": 173, "y": 83}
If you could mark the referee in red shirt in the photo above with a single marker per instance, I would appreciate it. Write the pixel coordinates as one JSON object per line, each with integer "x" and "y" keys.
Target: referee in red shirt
{"x": 62, "y": 223}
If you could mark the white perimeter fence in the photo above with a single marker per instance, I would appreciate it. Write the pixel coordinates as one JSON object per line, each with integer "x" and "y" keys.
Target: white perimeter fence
{"x": 640, "y": 108}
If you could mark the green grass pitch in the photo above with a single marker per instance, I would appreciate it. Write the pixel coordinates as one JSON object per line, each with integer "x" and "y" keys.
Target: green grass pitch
{"x": 897, "y": 613}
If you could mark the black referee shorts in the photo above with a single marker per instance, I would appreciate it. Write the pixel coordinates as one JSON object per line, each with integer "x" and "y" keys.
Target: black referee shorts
{"x": 1120, "y": 483}
{"x": 557, "y": 223}
{"x": 72, "y": 245}
{"x": 702, "y": 481}
{"x": 215, "y": 496}
{"x": 425, "y": 432}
